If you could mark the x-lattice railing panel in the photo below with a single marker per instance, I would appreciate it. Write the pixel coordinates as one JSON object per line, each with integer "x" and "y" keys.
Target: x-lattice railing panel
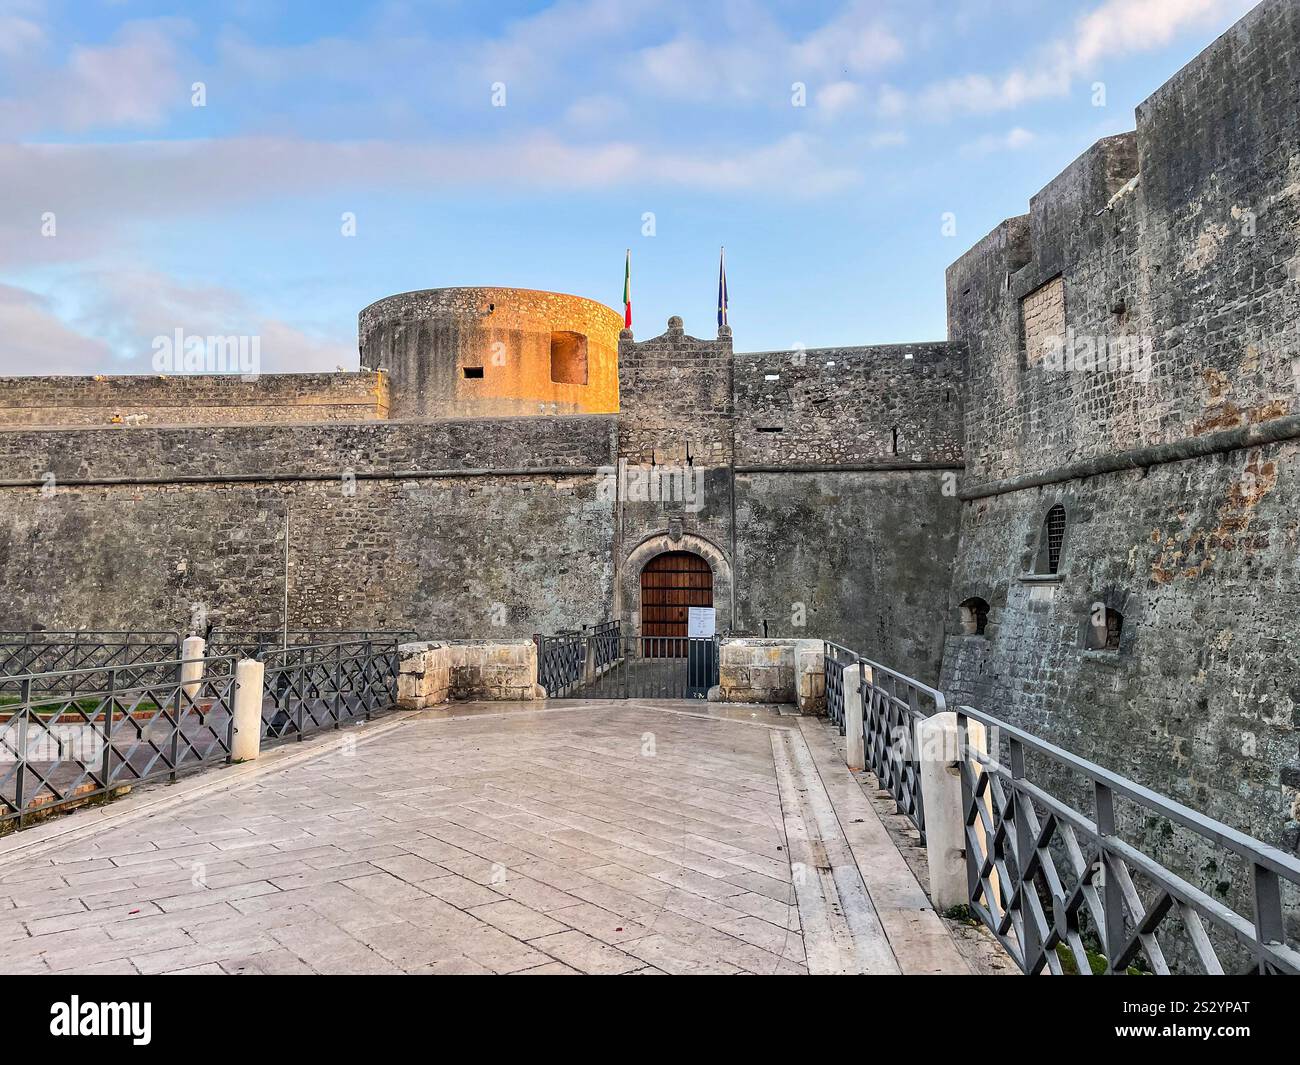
{"x": 1057, "y": 883}
{"x": 78, "y": 733}
{"x": 72, "y": 734}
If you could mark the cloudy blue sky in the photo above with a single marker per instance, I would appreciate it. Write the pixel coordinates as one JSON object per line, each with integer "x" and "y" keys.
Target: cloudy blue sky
{"x": 227, "y": 218}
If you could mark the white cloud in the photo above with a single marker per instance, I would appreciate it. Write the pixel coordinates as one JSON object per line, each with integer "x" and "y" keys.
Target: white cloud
{"x": 889, "y": 138}
{"x": 19, "y": 36}
{"x": 838, "y": 96}
{"x": 37, "y": 341}
{"x": 1115, "y": 29}
{"x": 99, "y": 191}
{"x": 747, "y": 55}
{"x": 1010, "y": 141}
{"x": 891, "y": 102}
{"x": 1123, "y": 27}
{"x": 856, "y": 41}
{"x": 595, "y": 111}
{"x": 121, "y": 312}
{"x": 131, "y": 82}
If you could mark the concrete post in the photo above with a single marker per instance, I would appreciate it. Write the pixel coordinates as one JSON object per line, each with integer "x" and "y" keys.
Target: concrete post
{"x": 945, "y": 822}
{"x": 589, "y": 669}
{"x": 247, "y": 744}
{"x": 856, "y": 750}
{"x": 192, "y": 651}
{"x": 945, "y": 848}
{"x": 809, "y": 676}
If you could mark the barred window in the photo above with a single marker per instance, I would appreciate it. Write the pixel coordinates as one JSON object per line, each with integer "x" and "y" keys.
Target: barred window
{"x": 1051, "y": 541}
{"x": 1055, "y": 537}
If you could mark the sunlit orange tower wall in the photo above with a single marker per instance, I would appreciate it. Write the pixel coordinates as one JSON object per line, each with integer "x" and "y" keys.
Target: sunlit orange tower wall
{"x": 492, "y": 352}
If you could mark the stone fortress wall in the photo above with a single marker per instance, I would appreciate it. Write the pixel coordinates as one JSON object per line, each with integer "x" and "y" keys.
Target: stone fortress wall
{"x": 192, "y": 399}
{"x": 834, "y": 534}
{"x": 1177, "y": 472}
{"x": 490, "y": 526}
{"x": 858, "y": 494}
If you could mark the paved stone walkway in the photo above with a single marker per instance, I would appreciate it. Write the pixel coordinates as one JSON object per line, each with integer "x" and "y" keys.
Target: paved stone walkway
{"x": 617, "y": 837}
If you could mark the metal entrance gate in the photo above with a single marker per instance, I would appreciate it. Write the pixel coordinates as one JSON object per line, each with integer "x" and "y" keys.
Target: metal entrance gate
{"x": 604, "y": 664}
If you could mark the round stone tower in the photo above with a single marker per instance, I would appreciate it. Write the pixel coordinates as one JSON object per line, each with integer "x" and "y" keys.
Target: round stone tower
{"x": 492, "y": 352}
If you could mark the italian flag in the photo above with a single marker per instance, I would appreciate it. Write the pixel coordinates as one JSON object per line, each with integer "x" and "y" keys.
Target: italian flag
{"x": 627, "y": 291}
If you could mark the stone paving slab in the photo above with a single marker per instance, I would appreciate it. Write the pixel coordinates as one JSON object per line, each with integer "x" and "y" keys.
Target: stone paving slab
{"x": 598, "y": 837}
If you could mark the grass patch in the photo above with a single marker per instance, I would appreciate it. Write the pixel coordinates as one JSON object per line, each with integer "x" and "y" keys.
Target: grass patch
{"x": 89, "y": 705}
{"x": 1096, "y": 962}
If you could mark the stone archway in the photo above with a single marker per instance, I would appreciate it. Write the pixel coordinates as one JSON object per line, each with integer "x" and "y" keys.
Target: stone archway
{"x": 671, "y": 584}
{"x": 628, "y": 604}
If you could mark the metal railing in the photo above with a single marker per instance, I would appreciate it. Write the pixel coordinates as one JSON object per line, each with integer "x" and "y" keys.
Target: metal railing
{"x": 253, "y": 642}
{"x": 892, "y": 704}
{"x": 836, "y": 659}
{"x": 600, "y": 662}
{"x": 61, "y": 654}
{"x": 74, "y": 734}
{"x": 1054, "y": 878}
{"x": 607, "y": 643}
{"x": 319, "y": 686}
{"x": 1047, "y": 877}
{"x": 71, "y": 735}
{"x": 560, "y": 660}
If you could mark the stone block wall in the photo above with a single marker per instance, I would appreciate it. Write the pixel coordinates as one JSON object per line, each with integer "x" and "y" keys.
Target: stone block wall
{"x": 451, "y": 529}
{"x": 1178, "y": 476}
{"x": 850, "y": 406}
{"x": 771, "y": 671}
{"x": 423, "y": 676}
{"x": 1200, "y": 700}
{"x": 860, "y": 558}
{"x": 325, "y": 452}
{"x": 675, "y": 398}
{"x": 432, "y": 673}
{"x": 192, "y": 399}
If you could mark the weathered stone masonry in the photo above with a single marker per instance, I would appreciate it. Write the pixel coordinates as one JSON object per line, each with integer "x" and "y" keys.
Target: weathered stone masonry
{"x": 504, "y": 526}
{"x": 424, "y": 494}
{"x": 1177, "y": 474}
{"x": 202, "y": 399}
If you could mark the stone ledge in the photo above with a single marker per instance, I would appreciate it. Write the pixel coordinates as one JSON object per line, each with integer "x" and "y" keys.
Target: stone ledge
{"x": 771, "y": 671}
{"x": 433, "y": 673}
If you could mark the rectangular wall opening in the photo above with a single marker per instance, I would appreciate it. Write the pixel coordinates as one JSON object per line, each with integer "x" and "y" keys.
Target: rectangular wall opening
{"x": 568, "y": 358}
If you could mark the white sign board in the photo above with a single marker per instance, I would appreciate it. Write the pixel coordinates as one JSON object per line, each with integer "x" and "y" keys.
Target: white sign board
{"x": 702, "y": 621}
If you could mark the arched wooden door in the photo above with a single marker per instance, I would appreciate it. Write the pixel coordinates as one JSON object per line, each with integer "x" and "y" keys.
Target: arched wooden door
{"x": 670, "y": 583}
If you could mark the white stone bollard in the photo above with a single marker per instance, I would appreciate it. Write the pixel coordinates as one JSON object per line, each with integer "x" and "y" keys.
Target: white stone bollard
{"x": 945, "y": 822}
{"x": 192, "y": 651}
{"x": 936, "y": 739}
{"x": 247, "y": 744}
{"x": 856, "y": 750}
{"x": 810, "y": 676}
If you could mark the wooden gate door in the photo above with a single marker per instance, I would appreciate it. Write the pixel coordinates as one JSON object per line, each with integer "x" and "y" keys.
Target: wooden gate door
{"x": 670, "y": 583}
